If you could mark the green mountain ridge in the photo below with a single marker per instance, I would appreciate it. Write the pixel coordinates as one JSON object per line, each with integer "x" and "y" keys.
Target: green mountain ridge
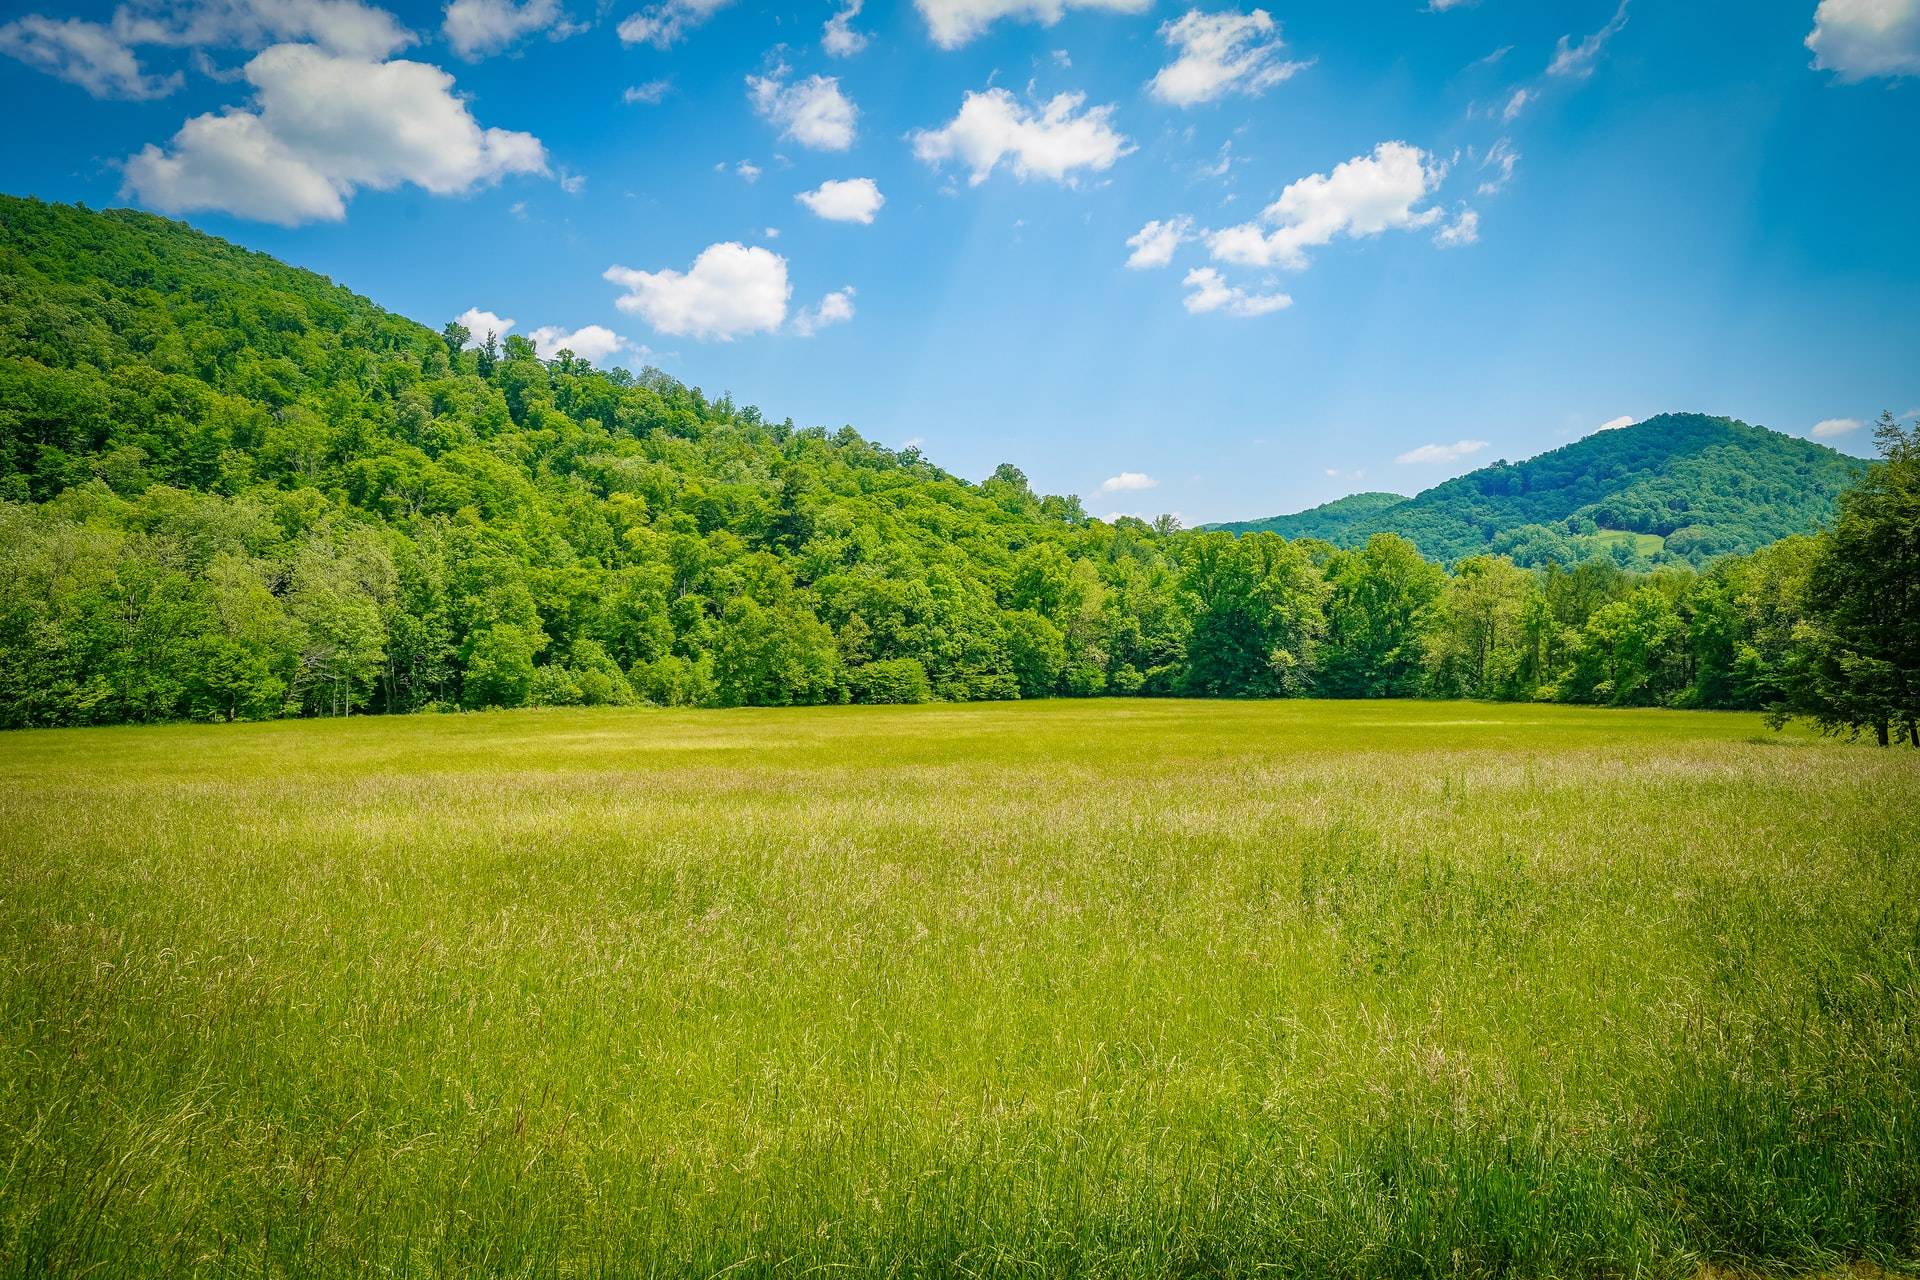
{"x": 1686, "y": 484}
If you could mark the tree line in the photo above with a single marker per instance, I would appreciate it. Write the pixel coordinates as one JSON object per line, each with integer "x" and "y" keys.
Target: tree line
{"x": 173, "y": 604}
{"x": 233, "y": 490}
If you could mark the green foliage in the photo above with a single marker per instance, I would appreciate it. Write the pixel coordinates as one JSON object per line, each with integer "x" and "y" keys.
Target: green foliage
{"x": 1258, "y": 615}
{"x": 891, "y": 680}
{"x": 1856, "y": 655}
{"x": 1379, "y": 609}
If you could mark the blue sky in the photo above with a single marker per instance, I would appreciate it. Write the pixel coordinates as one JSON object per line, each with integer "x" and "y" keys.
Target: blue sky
{"x": 1216, "y": 260}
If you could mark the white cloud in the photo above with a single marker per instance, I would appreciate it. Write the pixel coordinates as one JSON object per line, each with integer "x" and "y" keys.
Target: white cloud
{"x": 88, "y": 54}
{"x": 1500, "y": 157}
{"x": 992, "y": 126}
{"x": 1463, "y": 230}
{"x": 480, "y": 323}
{"x": 324, "y": 126}
{"x": 1829, "y": 428}
{"x": 234, "y": 163}
{"x": 1442, "y": 452}
{"x": 648, "y": 92}
{"x": 838, "y": 37}
{"x": 1856, "y": 39}
{"x": 1362, "y": 197}
{"x": 1128, "y": 482}
{"x": 591, "y": 342}
{"x": 844, "y": 200}
{"x": 1578, "y": 59}
{"x": 341, "y": 26}
{"x": 731, "y": 289}
{"x": 1221, "y": 53}
{"x": 1209, "y": 291}
{"x": 748, "y": 171}
{"x": 952, "y": 23}
{"x": 1441, "y": 6}
{"x": 476, "y": 28}
{"x": 1517, "y": 103}
{"x": 834, "y": 308}
{"x": 101, "y": 57}
{"x": 661, "y": 25}
{"x": 1154, "y": 244}
{"x": 1615, "y": 424}
{"x": 813, "y": 112}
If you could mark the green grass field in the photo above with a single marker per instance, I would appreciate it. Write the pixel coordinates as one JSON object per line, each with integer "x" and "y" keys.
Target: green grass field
{"x": 1315, "y": 989}
{"x": 1603, "y": 542}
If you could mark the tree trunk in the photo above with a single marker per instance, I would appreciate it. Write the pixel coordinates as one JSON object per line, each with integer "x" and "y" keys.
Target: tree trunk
{"x": 1880, "y": 732}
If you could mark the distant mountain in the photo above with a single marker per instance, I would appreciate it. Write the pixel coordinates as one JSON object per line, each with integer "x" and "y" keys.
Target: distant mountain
{"x": 1330, "y": 520}
{"x": 1680, "y": 485}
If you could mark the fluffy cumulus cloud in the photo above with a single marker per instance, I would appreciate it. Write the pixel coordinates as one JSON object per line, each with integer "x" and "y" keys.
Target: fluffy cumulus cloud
{"x": 1577, "y": 60}
{"x": 1856, "y": 39}
{"x": 324, "y": 126}
{"x": 101, "y": 57}
{"x": 648, "y": 92}
{"x": 1221, "y": 53}
{"x": 730, "y": 290}
{"x": 1833, "y": 428}
{"x": 479, "y": 323}
{"x": 838, "y": 36}
{"x": 476, "y": 28}
{"x": 1154, "y": 244}
{"x": 813, "y": 112}
{"x": 1208, "y": 290}
{"x": 1128, "y": 482}
{"x": 591, "y": 342}
{"x": 1615, "y": 424}
{"x": 952, "y": 23}
{"x": 1055, "y": 141}
{"x": 88, "y": 54}
{"x": 834, "y": 308}
{"x": 665, "y": 24}
{"x": 1442, "y": 452}
{"x": 844, "y": 200}
{"x": 1361, "y": 197}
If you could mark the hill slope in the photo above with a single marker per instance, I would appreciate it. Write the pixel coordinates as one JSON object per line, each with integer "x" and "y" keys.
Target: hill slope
{"x": 403, "y": 520}
{"x": 1333, "y": 521}
{"x": 1703, "y": 486}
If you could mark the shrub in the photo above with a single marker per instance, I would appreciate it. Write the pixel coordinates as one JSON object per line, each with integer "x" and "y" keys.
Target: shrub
{"x": 891, "y": 680}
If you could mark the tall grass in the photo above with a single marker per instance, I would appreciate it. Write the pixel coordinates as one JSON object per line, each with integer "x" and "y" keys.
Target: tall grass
{"x": 1348, "y": 990}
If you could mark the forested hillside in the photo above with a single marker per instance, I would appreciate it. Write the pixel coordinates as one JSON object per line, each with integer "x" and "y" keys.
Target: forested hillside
{"x": 1700, "y": 486}
{"x": 232, "y": 489}
{"x": 1334, "y": 521}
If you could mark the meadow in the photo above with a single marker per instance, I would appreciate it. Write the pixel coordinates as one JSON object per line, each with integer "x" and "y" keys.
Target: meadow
{"x": 1103, "y": 988}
